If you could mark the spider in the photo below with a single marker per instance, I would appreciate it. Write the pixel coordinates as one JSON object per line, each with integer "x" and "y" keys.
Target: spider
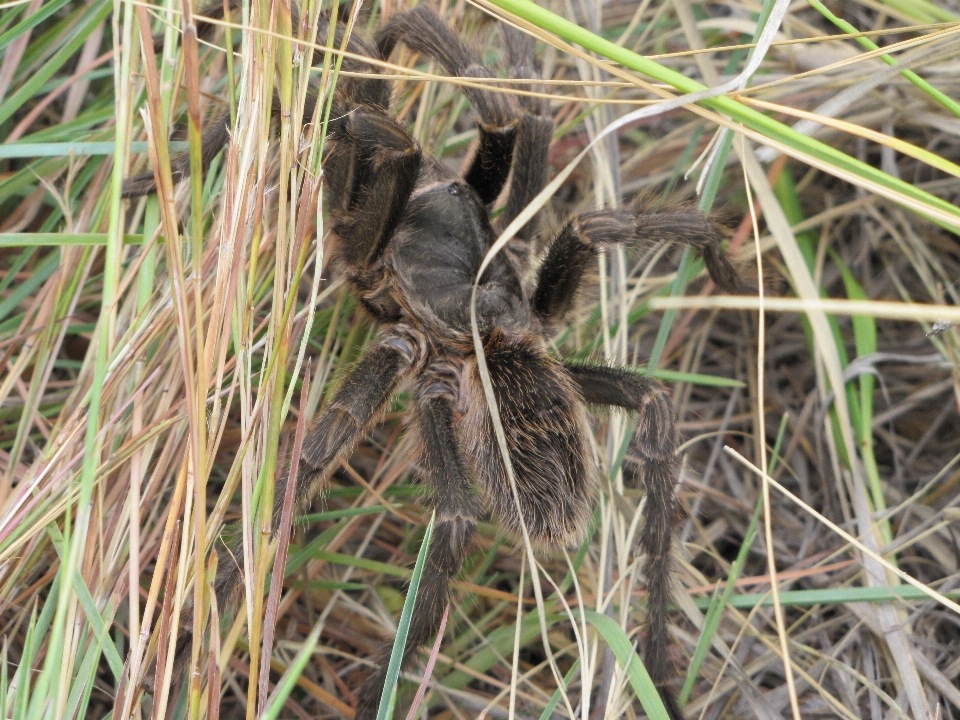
{"x": 410, "y": 237}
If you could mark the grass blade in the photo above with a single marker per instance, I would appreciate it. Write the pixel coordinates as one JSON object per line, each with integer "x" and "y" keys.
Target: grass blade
{"x": 630, "y": 661}
{"x": 388, "y": 698}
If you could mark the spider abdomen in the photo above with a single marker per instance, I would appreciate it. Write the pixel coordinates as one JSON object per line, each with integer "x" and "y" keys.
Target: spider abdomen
{"x": 545, "y": 424}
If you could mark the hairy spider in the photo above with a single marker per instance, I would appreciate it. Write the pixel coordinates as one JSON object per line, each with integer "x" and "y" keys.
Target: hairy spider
{"x": 410, "y": 237}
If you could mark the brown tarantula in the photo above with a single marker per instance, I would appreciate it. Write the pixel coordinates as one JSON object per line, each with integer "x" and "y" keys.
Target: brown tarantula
{"x": 410, "y": 237}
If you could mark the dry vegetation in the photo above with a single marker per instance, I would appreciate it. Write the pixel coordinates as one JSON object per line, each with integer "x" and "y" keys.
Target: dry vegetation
{"x": 151, "y": 382}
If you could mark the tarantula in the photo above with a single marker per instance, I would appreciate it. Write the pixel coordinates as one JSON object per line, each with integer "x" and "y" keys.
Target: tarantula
{"x": 410, "y": 237}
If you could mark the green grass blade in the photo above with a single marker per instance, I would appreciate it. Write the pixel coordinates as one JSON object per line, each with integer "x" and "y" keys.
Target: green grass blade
{"x": 922, "y": 11}
{"x": 497, "y": 644}
{"x": 628, "y": 658}
{"x": 719, "y": 601}
{"x": 865, "y": 341}
{"x": 673, "y": 376}
{"x": 688, "y": 267}
{"x": 38, "y": 276}
{"x": 715, "y": 605}
{"x": 685, "y": 272}
{"x": 100, "y": 629}
{"x": 399, "y": 643}
{"x": 31, "y": 21}
{"x": 555, "y": 699}
{"x": 22, "y": 674}
{"x": 942, "y": 98}
{"x": 806, "y": 148}
{"x": 364, "y": 563}
{"x": 83, "y": 682}
{"x": 93, "y": 17}
{"x": 41, "y": 239}
{"x": 294, "y": 671}
{"x": 830, "y": 596}
{"x": 4, "y": 680}
{"x": 15, "y": 267}
{"x": 65, "y": 149}
{"x": 338, "y": 514}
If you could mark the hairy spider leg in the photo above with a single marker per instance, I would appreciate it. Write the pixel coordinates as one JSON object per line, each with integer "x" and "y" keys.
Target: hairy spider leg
{"x": 530, "y": 166}
{"x": 213, "y": 139}
{"x": 655, "y": 439}
{"x": 685, "y": 224}
{"x": 443, "y": 467}
{"x": 331, "y": 438}
{"x": 570, "y": 256}
{"x": 534, "y": 134}
{"x": 350, "y": 92}
{"x": 372, "y": 170}
{"x": 488, "y": 164}
{"x": 654, "y": 446}
{"x": 507, "y": 134}
{"x": 556, "y": 480}
{"x": 571, "y": 253}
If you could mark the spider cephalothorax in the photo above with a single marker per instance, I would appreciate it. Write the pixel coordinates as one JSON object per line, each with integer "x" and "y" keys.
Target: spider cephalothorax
{"x": 410, "y": 236}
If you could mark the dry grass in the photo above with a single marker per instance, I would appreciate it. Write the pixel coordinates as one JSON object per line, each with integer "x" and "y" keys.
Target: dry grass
{"x": 154, "y": 355}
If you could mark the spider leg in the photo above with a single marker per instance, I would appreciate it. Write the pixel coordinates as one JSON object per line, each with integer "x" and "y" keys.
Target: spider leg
{"x": 655, "y": 445}
{"x": 686, "y": 224}
{"x": 488, "y": 165}
{"x": 350, "y": 92}
{"x": 530, "y": 166}
{"x": 572, "y": 252}
{"x": 213, "y": 139}
{"x": 534, "y": 134}
{"x": 422, "y": 30}
{"x": 372, "y": 171}
{"x": 332, "y": 436}
{"x": 570, "y": 256}
{"x": 457, "y": 507}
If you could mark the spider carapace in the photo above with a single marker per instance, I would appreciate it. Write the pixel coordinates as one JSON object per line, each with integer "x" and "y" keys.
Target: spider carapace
{"x": 410, "y": 236}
